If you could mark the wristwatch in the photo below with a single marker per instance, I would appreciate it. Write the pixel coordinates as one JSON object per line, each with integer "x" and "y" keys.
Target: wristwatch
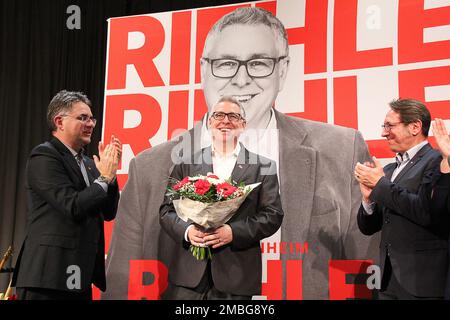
{"x": 103, "y": 179}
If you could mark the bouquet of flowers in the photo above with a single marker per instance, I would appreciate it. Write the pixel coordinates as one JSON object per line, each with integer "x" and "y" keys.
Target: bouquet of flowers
{"x": 208, "y": 201}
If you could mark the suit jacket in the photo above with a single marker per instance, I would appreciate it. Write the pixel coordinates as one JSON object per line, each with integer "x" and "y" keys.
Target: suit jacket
{"x": 235, "y": 267}
{"x": 437, "y": 195}
{"x": 319, "y": 196}
{"x": 65, "y": 221}
{"x": 412, "y": 236}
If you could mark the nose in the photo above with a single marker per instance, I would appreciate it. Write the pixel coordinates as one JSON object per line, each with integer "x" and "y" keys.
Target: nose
{"x": 226, "y": 120}
{"x": 90, "y": 123}
{"x": 384, "y": 132}
{"x": 241, "y": 78}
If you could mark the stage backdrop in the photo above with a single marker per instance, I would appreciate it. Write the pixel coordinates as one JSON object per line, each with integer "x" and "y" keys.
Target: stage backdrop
{"x": 349, "y": 58}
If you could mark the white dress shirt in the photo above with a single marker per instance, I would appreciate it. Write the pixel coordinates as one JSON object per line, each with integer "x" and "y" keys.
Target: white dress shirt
{"x": 223, "y": 164}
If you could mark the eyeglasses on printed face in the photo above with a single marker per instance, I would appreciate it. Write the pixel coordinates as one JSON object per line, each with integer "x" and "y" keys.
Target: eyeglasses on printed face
{"x": 256, "y": 68}
{"x": 232, "y": 116}
{"x": 388, "y": 126}
{"x": 83, "y": 118}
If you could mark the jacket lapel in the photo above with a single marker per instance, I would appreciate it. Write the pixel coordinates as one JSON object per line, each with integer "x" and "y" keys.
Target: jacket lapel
{"x": 413, "y": 161}
{"x": 69, "y": 159}
{"x": 90, "y": 169}
{"x": 241, "y": 165}
{"x": 389, "y": 170}
{"x": 297, "y": 181}
{"x": 202, "y": 162}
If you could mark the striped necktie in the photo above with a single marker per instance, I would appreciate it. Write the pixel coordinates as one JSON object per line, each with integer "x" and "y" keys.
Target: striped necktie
{"x": 79, "y": 158}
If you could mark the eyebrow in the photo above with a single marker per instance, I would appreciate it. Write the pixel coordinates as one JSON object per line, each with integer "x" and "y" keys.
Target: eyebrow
{"x": 85, "y": 114}
{"x": 253, "y": 56}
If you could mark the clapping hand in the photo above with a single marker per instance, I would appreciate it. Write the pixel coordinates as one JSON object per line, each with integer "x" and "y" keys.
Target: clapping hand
{"x": 443, "y": 142}
{"x": 109, "y": 157}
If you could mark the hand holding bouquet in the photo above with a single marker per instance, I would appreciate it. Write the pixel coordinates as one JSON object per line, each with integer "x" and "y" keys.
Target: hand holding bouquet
{"x": 208, "y": 201}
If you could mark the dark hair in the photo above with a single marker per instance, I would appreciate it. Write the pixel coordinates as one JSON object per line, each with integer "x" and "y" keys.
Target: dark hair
{"x": 62, "y": 102}
{"x": 253, "y": 16}
{"x": 233, "y": 101}
{"x": 410, "y": 111}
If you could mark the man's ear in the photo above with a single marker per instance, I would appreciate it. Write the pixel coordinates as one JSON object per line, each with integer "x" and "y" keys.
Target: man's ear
{"x": 283, "y": 67}
{"x": 416, "y": 127}
{"x": 58, "y": 121}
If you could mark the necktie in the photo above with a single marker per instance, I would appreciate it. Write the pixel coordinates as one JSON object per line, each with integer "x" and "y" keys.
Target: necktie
{"x": 80, "y": 162}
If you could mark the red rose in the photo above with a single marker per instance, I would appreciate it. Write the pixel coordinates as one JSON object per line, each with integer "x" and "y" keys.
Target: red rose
{"x": 201, "y": 187}
{"x": 180, "y": 184}
{"x": 213, "y": 176}
{"x": 225, "y": 189}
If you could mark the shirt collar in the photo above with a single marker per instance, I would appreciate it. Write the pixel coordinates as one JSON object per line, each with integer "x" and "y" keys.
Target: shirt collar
{"x": 73, "y": 152}
{"x": 408, "y": 155}
{"x": 235, "y": 152}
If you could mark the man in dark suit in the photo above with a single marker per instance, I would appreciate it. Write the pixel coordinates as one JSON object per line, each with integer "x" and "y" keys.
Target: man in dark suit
{"x": 413, "y": 239}
{"x": 438, "y": 191}
{"x": 69, "y": 197}
{"x": 235, "y": 269}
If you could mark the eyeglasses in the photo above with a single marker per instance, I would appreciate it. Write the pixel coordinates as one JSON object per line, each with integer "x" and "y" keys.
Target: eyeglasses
{"x": 389, "y": 126}
{"x": 83, "y": 118}
{"x": 256, "y": 68}
{"x": 232, "y": 116}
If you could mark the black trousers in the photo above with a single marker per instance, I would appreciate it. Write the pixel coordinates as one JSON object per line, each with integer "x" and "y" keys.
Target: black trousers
{"x": 50, "y": 294}
{"x": 204, "y": 291}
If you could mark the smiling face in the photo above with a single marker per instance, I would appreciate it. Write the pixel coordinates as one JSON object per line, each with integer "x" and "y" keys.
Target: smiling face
{"x": 401, "y": 136}
{"x": 225, "y": 132}
{"x": 244, "y": 42}
{"x": 72, "y": 131}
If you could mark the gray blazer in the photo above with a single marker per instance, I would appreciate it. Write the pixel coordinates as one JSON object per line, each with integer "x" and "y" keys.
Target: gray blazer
{"x": 319, "y": 196}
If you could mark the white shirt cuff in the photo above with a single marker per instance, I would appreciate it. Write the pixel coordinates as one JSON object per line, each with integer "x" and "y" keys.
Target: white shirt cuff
{"x": 368, "y": 207}
{"x": 186, "y": 233}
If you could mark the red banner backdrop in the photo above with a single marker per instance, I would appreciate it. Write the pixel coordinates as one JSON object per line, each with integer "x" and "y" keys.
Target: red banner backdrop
{"x": 349, "y": 58}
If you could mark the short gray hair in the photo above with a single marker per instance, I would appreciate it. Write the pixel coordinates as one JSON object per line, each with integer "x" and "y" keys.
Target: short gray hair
{"x": 232, "y": 100}
{"x": 63, "y": 102}
{"x": 252, "y": 16}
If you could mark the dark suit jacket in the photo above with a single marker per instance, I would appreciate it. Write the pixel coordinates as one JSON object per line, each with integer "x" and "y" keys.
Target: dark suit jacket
{"x": 236, "y": 267}
{"x": 437, "y": 194}
{"x": 411, "y": 235}
{"x": 65, "y": 221}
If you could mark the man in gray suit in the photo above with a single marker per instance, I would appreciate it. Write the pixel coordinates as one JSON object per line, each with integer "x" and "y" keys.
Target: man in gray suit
{"x": 246, "y": 56}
